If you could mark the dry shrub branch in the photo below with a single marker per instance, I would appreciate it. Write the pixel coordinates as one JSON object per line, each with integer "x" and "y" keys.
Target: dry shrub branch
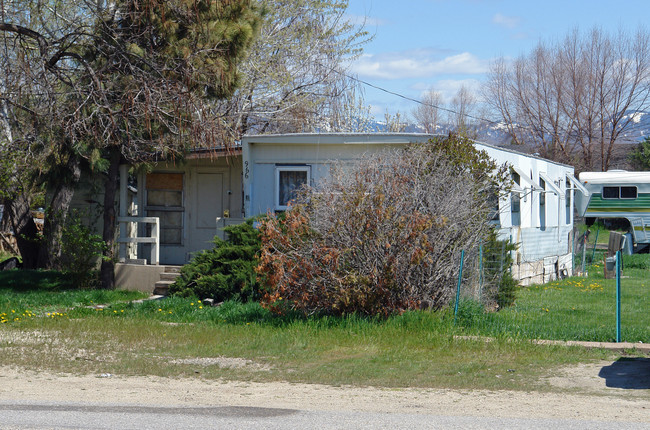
{"x": 383, "y": 235}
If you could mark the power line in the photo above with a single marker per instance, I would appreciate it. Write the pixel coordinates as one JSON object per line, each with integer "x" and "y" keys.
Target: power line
{"x": 361, "y": 81}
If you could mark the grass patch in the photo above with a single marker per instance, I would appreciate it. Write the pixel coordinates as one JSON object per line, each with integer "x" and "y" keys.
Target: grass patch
{"x": 575, "y": 308}
{"x": 179, "y": 337}
{"x": 169, "y": 338}
{"x": 36, "y": 292}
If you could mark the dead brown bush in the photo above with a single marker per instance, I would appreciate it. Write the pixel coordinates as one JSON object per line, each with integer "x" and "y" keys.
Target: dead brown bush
{"x": 383, "y": 235}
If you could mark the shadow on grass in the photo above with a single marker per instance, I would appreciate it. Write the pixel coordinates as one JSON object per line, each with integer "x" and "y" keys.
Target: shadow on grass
{"x": 628, "y": 373}
{"x": 35, "y": 280}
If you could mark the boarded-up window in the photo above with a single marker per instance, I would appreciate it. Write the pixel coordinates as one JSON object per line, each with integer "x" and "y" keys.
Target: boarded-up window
{"x": 165, "y": 201}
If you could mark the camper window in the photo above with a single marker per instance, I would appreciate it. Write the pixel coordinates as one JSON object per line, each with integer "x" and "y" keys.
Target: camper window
{"x": 610, "y": 192}
{"x": 619, "y": 192}
{"x": 628, "y": 192}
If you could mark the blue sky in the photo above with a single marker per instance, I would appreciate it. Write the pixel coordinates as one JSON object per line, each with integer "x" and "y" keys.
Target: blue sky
{"x": 442, "y": 44}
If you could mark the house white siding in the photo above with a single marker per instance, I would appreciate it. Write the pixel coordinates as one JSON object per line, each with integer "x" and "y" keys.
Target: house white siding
{"x": 542, "y": 226}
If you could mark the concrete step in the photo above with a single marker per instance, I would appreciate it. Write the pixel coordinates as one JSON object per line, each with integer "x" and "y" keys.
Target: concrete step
{"x": 173, "y": 269}
{"x": 162, "y": 288}
{"x": 169, "y": 276}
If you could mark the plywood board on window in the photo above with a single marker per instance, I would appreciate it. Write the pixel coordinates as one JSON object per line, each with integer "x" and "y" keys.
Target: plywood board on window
{"x": 164, "y": 181}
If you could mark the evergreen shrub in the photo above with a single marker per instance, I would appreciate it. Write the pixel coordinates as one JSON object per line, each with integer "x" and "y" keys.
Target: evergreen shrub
{"x": 226, "y": 272}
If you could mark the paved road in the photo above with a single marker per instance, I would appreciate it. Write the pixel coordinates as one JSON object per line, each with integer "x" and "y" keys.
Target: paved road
{"x": 38, "y": 415}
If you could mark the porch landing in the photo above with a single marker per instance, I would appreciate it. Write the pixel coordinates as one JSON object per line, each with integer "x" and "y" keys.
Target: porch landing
{"x": 142, "y": 277}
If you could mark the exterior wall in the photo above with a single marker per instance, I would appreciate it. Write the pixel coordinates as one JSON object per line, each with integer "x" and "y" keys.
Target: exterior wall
{"x": 263, "y": 154}
{"x": 542, "y": 232}
{"x": 212, "y": 188}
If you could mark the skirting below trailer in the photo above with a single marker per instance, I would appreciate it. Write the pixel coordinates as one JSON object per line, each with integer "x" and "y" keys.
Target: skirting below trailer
{"x": 544, "y": 270}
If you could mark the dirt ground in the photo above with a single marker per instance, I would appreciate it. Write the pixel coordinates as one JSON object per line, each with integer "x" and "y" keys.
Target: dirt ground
{"x": 614, "y": 391}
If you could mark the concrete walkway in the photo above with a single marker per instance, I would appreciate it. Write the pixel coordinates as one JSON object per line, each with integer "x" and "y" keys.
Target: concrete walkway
{"x": 613, "y": 346}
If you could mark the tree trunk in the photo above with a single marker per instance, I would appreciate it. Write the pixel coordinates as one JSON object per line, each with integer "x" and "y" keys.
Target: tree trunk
{"x": 22, "y": 222}
{"x": 5, "y": 221}
{"x": 56, "y": 215}
{"x": 107, "y": 273}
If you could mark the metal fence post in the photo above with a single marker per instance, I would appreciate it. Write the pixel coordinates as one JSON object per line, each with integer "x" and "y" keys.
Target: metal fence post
{"x": 593, "y": 251}
{"x": 618, "y": 296}
{"x": 584, "y": 259}
{"x": 480, "y": 272}
{"x": 460, "y": 278}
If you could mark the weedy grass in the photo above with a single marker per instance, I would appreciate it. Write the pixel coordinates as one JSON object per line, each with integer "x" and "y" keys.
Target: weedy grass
{"x": 578, "y": 308}
{"x": 180, "y": 337}
{"x": 36, "y": 292}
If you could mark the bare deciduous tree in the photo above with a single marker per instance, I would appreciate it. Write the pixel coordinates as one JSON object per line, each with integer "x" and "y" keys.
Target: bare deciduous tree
{"x": 427, "y": 114}
{"x": 462, "y": 108}
{"x": 294, "y": 79}
{"x": 574, "y": 99}
{"x": 394, "y": 123}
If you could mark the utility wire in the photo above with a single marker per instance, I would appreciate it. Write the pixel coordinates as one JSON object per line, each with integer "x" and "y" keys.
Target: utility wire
{"x": 361, "y": 81}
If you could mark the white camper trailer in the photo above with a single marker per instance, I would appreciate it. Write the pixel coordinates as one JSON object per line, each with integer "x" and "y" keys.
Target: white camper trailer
{"x": 618, "y": 194}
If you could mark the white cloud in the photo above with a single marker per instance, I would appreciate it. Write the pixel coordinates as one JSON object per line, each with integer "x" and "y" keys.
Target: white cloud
{"x": 421, "y": 63}
{"x": 365, "y": 21}
{"x": 506, "y": 21}
{"x": 449, "y": 87}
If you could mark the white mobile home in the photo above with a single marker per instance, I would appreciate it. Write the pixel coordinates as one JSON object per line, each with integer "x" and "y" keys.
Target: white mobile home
{"x": 537, "y": 216}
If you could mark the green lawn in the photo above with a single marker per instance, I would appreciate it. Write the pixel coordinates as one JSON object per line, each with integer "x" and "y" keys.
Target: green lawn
{"x": 39, "y": 292}
{"x": 573, "y": 309}
{"x": 58, "y": 328}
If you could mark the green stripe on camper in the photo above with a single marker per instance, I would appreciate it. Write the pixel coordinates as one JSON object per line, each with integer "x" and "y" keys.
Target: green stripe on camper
{"x": 599, "y": 205}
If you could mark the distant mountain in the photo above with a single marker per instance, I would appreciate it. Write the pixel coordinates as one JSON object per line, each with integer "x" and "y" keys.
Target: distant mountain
{"x": 496, "y": 134}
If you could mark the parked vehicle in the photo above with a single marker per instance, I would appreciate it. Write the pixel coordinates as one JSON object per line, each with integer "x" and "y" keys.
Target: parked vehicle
{"x": 618, "y": 194}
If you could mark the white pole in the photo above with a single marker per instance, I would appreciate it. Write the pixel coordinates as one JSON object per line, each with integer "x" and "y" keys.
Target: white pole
{"x": 124, "y": 178}
{"x": 155, "y": 248}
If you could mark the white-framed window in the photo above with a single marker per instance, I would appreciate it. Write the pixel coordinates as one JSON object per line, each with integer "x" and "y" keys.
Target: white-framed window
{"x": 567, "y": 204}
{"x": 515, "y": 199}
{"x": 542, "y": 204}
{"x": 617, "y": 192}
{"x": 288, "y": 179}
